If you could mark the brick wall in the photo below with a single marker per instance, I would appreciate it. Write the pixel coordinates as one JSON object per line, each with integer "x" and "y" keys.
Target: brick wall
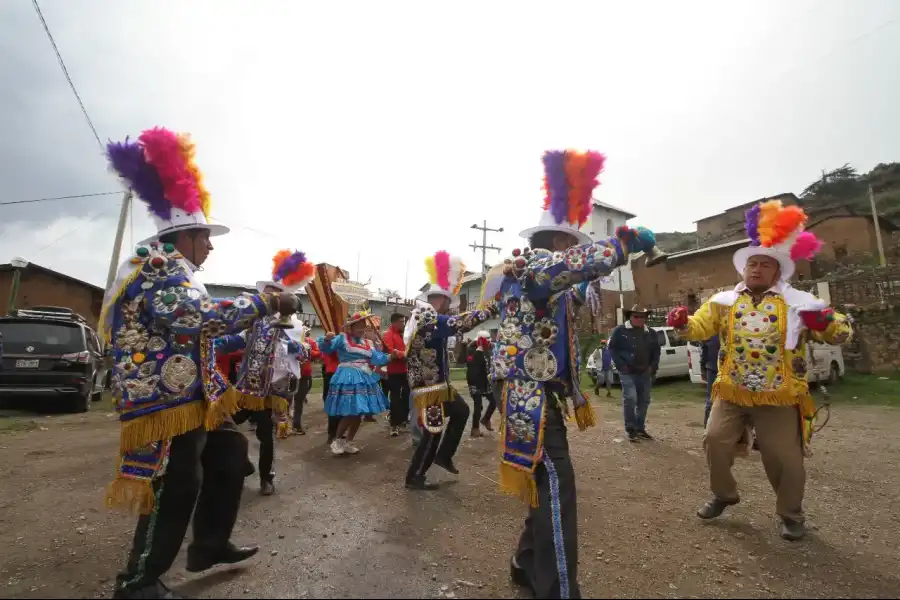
{"x": 40, "y": 288}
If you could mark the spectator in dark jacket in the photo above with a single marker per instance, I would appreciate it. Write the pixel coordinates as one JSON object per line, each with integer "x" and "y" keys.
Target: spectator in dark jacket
{"x": 635, "y": 352}
{"x": 709, "y": 367}
{"x": 479, "y": 382}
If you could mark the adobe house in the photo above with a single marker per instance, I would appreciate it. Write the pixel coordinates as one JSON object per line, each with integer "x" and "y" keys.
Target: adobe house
{"x": 40, "y": 286}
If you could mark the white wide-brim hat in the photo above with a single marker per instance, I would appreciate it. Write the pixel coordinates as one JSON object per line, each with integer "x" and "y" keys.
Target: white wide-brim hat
{"x": 436, "y": 290}
{"x": 547, "y": 223}
{"x": 782, "y": 256}
{"x": 182, "y": 221}
{"x": 262, "y": 285}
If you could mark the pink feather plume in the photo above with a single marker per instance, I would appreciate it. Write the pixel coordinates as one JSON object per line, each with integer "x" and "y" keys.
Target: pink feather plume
{"x": 442, "y": 266}
{"x": 805, "y": 246}
{"x": 162, "y": 150}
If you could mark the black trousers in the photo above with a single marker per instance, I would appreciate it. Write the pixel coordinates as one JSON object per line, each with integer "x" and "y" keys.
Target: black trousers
{"x": 333, "y": 422}
{"x": 537, "y": 551}
{"x": 206, "y": 470}
{"x": 398, "y": 385}
{"x": 300, "y": 399}
{"x": 441, "y": 447}
{"x": 477, "y": 403}
{"x": 265, "y": 433}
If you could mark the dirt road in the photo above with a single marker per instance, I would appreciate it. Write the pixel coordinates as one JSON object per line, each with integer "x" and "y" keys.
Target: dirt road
{"x": 345, "y": 527}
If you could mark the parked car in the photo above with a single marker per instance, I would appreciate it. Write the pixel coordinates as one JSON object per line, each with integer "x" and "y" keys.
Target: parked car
{"x": 673, "y": 355}
{"x": 824, "y": 362}
{"x": 50, "y": 352}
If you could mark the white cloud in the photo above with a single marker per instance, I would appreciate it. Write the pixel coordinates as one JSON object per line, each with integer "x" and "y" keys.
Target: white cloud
{"x": 385, "y": 130}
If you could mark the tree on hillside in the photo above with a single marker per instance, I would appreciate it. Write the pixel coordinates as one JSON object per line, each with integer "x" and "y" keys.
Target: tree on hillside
{"x": 842, "y": 183}
{"x": 884, "y": 176}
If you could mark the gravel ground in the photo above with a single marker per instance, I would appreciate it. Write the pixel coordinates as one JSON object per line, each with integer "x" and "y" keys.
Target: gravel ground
{"x": 345, "y": 527}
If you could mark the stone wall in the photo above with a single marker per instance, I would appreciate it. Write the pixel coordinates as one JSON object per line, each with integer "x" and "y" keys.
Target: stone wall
{"x": 872, "y": 298}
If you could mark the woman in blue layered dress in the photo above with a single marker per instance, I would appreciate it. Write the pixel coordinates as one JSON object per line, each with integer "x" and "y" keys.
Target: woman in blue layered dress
{"x": 355, "y": 389}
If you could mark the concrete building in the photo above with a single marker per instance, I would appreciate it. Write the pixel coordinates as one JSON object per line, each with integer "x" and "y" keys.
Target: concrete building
{"x": 40, "y": 286}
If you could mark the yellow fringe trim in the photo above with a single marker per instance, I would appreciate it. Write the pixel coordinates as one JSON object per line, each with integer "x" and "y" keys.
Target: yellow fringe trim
{"x": 277, "y": 404}
{"x": 254, "y": 402}
{"x": 162, "y": 425}
{"x": 250, "y": 401}
{"x": 431, "y": 395}
{"x": 225, "y": 406}
{"x": 783, "y": 396}
{"x": 584, "y": 415}
{"x": 282, "y": 431}
{"x": 519, "y": 483}
{"x": 136, "y": 496}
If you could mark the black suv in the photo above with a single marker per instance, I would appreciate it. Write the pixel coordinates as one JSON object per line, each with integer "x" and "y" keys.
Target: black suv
{"x": 50, "y": 351}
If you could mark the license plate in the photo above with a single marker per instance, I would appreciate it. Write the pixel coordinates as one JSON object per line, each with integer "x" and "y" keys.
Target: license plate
{"x": 27, "y": 364}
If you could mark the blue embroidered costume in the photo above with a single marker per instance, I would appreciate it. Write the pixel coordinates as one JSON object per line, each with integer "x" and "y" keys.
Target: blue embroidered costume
{"x": 355, "y": 388}
{"x": 162, "y": 325}
{"x": 427, "y": 360}
{"x": 256, "y": 382}
{"x": 538, "y": 349}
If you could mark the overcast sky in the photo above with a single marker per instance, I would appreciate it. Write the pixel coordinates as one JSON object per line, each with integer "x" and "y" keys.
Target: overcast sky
{"x": 385, "y": 129}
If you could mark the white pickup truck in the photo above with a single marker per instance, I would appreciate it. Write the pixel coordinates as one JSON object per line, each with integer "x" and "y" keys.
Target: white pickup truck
{"x": 824, "y": 362}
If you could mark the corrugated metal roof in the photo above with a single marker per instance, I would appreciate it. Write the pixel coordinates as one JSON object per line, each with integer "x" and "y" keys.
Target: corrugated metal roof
{"x": 613, "y": 208}
{"x": 709, "y": 248}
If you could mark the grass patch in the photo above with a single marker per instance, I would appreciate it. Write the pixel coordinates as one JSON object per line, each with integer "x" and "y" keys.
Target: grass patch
{"x": 860, "y": 388}
{"x": 14, "y": 424}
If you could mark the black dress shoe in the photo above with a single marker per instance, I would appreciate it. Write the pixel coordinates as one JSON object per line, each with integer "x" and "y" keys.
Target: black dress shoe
{"x": 199, "y": 560}
{"x": 645, "y": 436}
{"x": 421, "y": 484}
{"x": 715, "y": 507}
{"x": 519, "y": 576}
{"x": 150, "y": 592}
{"x": 266, "y": 488}
{"x": 447, "y": 465}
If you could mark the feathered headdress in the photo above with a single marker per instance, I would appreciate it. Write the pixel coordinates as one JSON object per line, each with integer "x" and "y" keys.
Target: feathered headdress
{"x": 290, "y": 271}
{"x": 777, "y": 231}
{"x": 570, "y": 178}
{"x": 445, "y": 274}
{"x": 159, "y": 167}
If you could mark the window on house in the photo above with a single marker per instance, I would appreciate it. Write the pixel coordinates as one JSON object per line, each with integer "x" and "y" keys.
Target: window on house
{"x": 610, "y": 229}
{"x": 692, "y": 302}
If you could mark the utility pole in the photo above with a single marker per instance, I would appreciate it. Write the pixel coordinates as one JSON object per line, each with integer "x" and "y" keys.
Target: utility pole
{"x": 120, "y": 233}
{"x": 484, "y": 247}
{"x": 881, "y": 259}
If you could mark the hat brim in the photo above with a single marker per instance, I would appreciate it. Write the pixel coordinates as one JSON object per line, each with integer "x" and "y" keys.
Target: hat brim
{"x": 262, "y": 285}
{"x": 784, "y": 260}
{"x": 214, "y": 230}
{"x": 629, "y": 313}
{"x": 581, "y": 237}
{"x": 352, "y": 321}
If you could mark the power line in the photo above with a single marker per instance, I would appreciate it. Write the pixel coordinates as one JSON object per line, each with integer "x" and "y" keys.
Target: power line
{"x": 55, "y": 198}
{"x": 65, "y": 71}
{"x": 71, "y": 231}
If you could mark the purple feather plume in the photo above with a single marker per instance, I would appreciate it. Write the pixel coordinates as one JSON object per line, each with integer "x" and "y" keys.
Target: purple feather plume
{"x": 751, "y": 224}
{"x": 556, "y": 184}
{"x": 127, "y": 158}
{"x": 289, "y": 265}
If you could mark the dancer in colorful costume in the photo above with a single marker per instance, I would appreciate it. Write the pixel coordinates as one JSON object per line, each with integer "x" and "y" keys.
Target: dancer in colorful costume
{"x": 263, "y": 378}
{"x": 428, "y": 369}
{"x": 763, "y": 327}
{"x": 537, "y": 359}
{"x": 161, "y": 323}
{"x": 355, "y": 389}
